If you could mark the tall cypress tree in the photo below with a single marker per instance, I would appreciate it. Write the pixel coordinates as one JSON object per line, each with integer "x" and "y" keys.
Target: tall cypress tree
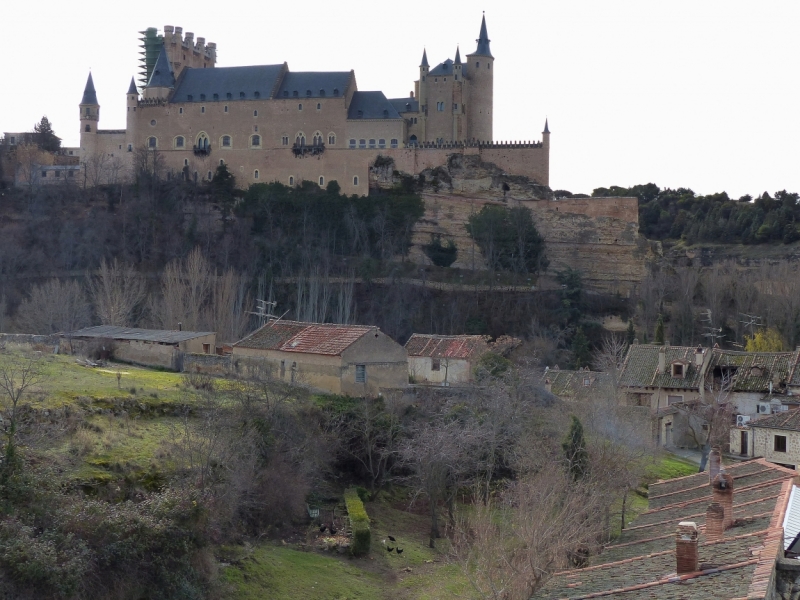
{"x": 575, "y": 453}
{"x": 659, "y": 337}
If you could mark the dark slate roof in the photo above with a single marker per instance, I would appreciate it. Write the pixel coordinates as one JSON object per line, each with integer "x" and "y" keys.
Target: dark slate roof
{"x": 162, "y": 73}
{"x": 572, "y": 385}
{"x": 424, "y": 62}
{"x": 546, "y": 127}
{"x": 132, "y": 87}
{"x": 483, "y": 42}
{"x": 445, "y": 68}
{"x": 305, "y": 338}
{"x": 447, "y": 346}
{"x": 641, "y": 563}
{"x": 754, "y": 371}
{"x": 320, "y": 84}
{"x": 371, "y": 105}
{"x": 402, "y": 105}
{"x": 640, "y": 368}
{"x": 227, "y": 80}
{"x": 161, "y": 336}
{"x": 89, "y": 95}
{"x": 794, "y": 371}
{"x": 457, "y": 61}
{"x": 789, "y": 420}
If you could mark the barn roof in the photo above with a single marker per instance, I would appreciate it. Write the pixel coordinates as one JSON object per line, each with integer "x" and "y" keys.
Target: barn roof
{"x": 306, "y": 338}
{"x": 446, "y": 346}
{"x": 640, "y": 368}
{"x": 161, "y": 336}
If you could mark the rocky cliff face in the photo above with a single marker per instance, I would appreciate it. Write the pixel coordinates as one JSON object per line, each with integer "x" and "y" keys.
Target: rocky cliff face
{"x": 598, "y": 236}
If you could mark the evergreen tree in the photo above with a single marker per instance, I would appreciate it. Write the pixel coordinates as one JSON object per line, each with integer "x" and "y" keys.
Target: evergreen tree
{"x": 45, "y": 137}
{"x": 630, "y": 334}
{"x": 575, "y": 453}
{"x": 581, "y": 353}
{"x": 659, "y": 337}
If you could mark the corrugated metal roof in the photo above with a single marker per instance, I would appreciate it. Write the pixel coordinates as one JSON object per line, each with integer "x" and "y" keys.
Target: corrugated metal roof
{"x": 754, "y": 371}
{"x": 791, "y": 522}
{"x": 446, "y": 346}
{"x": 641, "y": 368}
{"x": 161, "y": 336}
{"x": 306, "y": 338}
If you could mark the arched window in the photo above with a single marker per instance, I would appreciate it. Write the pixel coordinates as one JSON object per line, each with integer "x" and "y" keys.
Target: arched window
{"x": 210, "y": 175}
{"x": 352, "y": 143}
{"x": 285, "y": 140}
{"x": 319, "y": 106}
{"x": 255, "y": 141}
{"x": 88, "y": 129}
{"x": 88, "y": 111}
{"x": 331, "y": 139}
{"x": 372, "y": 143}
{"x": 362, "y": 143}
{"x": 300, "y": 139}
{"x": 317, "y": 139}
{"x": 321, "y": 181}
{"x": 202, "y": 141}
{"x": 255, "y": 113}
{"x": 179, "y": 141}
{"x": 226, "y": 108}
{"x": 412, "y": 139}
{"x": 381, "y": 143}
{"x": 299, "y": 107}
{"x": 185, "y": 162}
{"x": 221, "y": 162}
{"x": 152, "y": 142}
{"x": 355, "y": 180}
{"x": 255, "y": 174}
{"x": 226, "y": 141}
{"x": 394, "y": 143}
{"x": 291, "y": 180}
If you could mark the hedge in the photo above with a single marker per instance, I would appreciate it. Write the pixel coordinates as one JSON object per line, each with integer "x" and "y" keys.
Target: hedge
{"x": 359, "y": 522}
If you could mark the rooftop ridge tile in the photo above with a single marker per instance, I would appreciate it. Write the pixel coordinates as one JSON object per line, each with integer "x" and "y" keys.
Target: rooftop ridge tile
{"x": 697, "y": 487}
{"x": 683, "y": 518}
{"x": 708, "y": 498}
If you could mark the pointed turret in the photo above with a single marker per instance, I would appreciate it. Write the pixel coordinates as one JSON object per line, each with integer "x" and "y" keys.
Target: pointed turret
{"x": 546, "y": 128}
{"x": 483, "y": 41}
{"x": 424, "y": 62}
{"x": 132, "y": 87}
{"x": 89, "y": 95}
{"x": 162, "y": 76}
{"x": 457, "y": 61}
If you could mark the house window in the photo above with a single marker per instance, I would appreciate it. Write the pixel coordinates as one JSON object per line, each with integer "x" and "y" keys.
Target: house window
{"x": 362, "y": 143}
{"x": 206, "y": 348}
{"x": 226, "y": 141}
{"x": 257, "y": 94}
{"x": 361, "y": 373}
{"x": 291, "y": 180}
{"x": 241, "y": 94}
{"x": 678, "y": 370}
{"x": 190, "y": 97}
{"x": 152, "y": 142}
{"x": 179, "y": 141}
{"x": 317, "y": 140}
{"x": 587, "y": 382}
{"x": 71, "y": 173}
{"x": 294, "y": 371}
{"x": 88, "y": 112}
{"x": 255, "y": 113}
{"x": 255, "y": 141}
{"x": 283, "y": 369}
{"x": 381, "y": 143}
{"x": 674, "y": 399}
{"x": 436, "y": 364}
{"x": 44, "y": 174}
{"x": 58, "y": 173}
{"x": 335, "y": 91}
{"x": 352, "y": 143}
{"x": 321, "y": 181}
{"x": 355, "y": 180}
{"x": 331, "y": 139}
{"x": 216, "y": 96}
{"x": 255, "y": 174}
{"x": 300, "y": 139}
{"x": 130, "y": 147}
{"x": 393, "y": 143}
{"x": 780, "y": 443}
{"x": 229, "y": 95}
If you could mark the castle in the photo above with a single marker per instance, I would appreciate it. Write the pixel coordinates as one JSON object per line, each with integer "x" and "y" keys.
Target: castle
{"x": 267, "y": 123}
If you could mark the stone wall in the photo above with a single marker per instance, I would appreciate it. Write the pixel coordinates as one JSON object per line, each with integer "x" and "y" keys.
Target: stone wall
{"x": 764, "y": 445}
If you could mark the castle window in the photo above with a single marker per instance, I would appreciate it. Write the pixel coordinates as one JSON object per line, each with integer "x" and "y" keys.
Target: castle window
{"x": 321, "y": 181}
{"x": 455, "y": 105}
{"x": 195, "y": 176}
{"x": 285, "y": 140}
{"x": 226, "y": 141}
{"x": 362, "y": 143}
{"x": 255, "y": 113}
{"x": 152, "y": 142}
{"x": 210, "y": 175}
{"x": 216, "y": 96}
{"x": 221, "y": 162}
{"x": 308, "y": 93}
{"x": 44, "y": 174}
{"x": 257, "y": 94}
{"x": 319, "y": 106}
{"x": 58, "y": 173}
{"x": 291, "y": 180}
{"x": 226, "y": 108}
{"x": 423, "y": 78}
{"x": 153, "y": 123}
{"x": 202, "y": 109}
{"x": 300, "y": 139}
{"x": 255, "y": 128}
{"x": 322, "y": 93}
{"x": 179, "y": 141}
{"x": 355, "y": 180}
{"x": 435, "y": 80}
{"x": 352, "y": 143}
{"x": 241, "y": 94}
{"x": 445, "y": 79}
{"x": 385, "y": 113}
{"x": 180, "y": 110}
{"x": 299, "y": 107}
{"x": 415, "y": 120}
{"x": 477, "y": 64}
{"x": 88, "y": 128}
{"x": 71, "y": 173}
{"x": 202, "y": 97}
{"x": 190, "y": 97}
{"x": 381, "y": 143}
{"x": 295, "y": 94}
{"x": 413, "y": 139}
{"x": 488, "y": 65}
{"x": 185, "y": 162}
{"x": 255, "y": 141}
{"x": 440, "y": 106}
{"x": 130, "y": 147}
{"x": 255, "y": 174}
{"x": 372, "y": 143}
{"x": 335, "y": 91}
{"x": 455, "y": 77}
{"x": 229, "y": 96}
{"x": 331, "y": 139}
{"x": 285, "y": 93}
{"x": 393, "y": 143}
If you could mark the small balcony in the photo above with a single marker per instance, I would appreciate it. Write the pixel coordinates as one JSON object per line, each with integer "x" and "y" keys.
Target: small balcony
{"x": 301, "y": 150}
{"x": 203, "y": 150}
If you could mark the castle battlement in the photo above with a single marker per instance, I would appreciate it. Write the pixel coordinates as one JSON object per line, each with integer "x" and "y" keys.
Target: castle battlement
{"x": 476, "y": 144}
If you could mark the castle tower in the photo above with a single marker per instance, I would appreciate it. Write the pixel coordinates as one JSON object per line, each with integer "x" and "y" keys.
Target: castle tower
{"x": 480, "y": 71}
{"x": 89, "y": 116}
{"x": 458, "y": 96}
{"x": 546, "y": 148}
{"x": 162, "y": 80}
{"x": 132, "y": 116}
{"x": 422, "y": 92}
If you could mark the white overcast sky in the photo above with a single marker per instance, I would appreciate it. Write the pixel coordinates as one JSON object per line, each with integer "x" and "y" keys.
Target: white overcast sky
{"x": 681, "y": 93}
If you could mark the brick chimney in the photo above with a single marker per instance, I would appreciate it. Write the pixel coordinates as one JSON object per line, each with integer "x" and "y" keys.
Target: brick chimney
{"x": 698, "y": 356}
{"x": 715, "y": 522}
{"x": 714, "y": 464}
{"x": 686, "y": 547}
{"x": 722, "y": 494}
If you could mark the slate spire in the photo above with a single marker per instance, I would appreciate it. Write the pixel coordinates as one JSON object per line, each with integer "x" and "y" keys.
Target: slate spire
{"x": 457, "y": 61}
{"x": 162, "y": 72}
{"x": 483, "y": 41}
{"x": 424, "y": 62}
{"x": 546, "y": 128}
{"x": 89, "y": 95}
{"x": 132, "y": 88}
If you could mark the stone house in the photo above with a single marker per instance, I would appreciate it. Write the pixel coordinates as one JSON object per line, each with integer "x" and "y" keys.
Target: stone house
{"x": 775, "y": 438}
{"x": 148, "y": 347}
{"x": 444, "y": 359}
{"x": 356, "y": 360}
{"x": 662, "y": 377}
{"x": 577, "y": 386}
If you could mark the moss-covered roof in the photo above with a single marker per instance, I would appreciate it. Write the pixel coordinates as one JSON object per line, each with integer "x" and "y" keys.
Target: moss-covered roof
{"x": 753, "y": 371}
{"x": 578, "y": 385}
{"x": 640, "y": 368}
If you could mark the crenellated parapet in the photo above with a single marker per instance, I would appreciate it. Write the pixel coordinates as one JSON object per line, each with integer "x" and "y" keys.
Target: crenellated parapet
{"x": 477, "y": 144}
{"x": 184, "y": 51}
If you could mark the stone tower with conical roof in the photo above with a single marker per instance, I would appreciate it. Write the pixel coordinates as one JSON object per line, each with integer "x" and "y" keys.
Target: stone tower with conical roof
{"x": 89, "y": 117}
{"x": 480, "y": 96}
{"x": 162, "y": 79}
{"x": 132, "y": 120}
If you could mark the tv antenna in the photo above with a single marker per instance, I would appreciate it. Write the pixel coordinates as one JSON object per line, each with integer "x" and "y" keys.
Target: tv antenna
{"x": 713, "y": 333}
{"x": 263, "y": 310}
{"x": 751, "y": 321}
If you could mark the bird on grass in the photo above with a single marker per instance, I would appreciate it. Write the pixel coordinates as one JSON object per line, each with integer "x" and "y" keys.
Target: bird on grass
{"x": 389, "y": 549}
{"x": 333, "y": 530}
{"x": 323, "y": 528}
{"x": 399, "y": 550}
{"x": 392, "y": 538}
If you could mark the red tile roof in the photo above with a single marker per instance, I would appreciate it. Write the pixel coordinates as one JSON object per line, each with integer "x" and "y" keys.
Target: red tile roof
{"x": 306, "y": 338}
{"x": 446, "y": 346}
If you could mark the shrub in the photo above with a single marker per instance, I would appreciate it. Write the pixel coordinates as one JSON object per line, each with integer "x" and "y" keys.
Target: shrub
{"x": 441, "y": 255}
{"x": 359, "y": 522}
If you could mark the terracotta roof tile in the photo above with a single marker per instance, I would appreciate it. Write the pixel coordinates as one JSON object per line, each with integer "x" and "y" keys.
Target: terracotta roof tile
{"x": 572, "y": 385}
{"x": 447, "y": 346}
{"x": 789, "y": 420}
{"x": 754, "y": 371}
{"x": 640, "y": 368}
{"x": 307, "y": 338}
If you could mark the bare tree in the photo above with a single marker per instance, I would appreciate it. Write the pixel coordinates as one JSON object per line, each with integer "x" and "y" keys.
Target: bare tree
{"x": 19, "y": 374}
{"x": 117, "y": 290}
{"x": 708, "y": 419}
{"x": 53, "y": 307}
{"x": 227, "y": 311}
{"x": 185, "y": 286}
